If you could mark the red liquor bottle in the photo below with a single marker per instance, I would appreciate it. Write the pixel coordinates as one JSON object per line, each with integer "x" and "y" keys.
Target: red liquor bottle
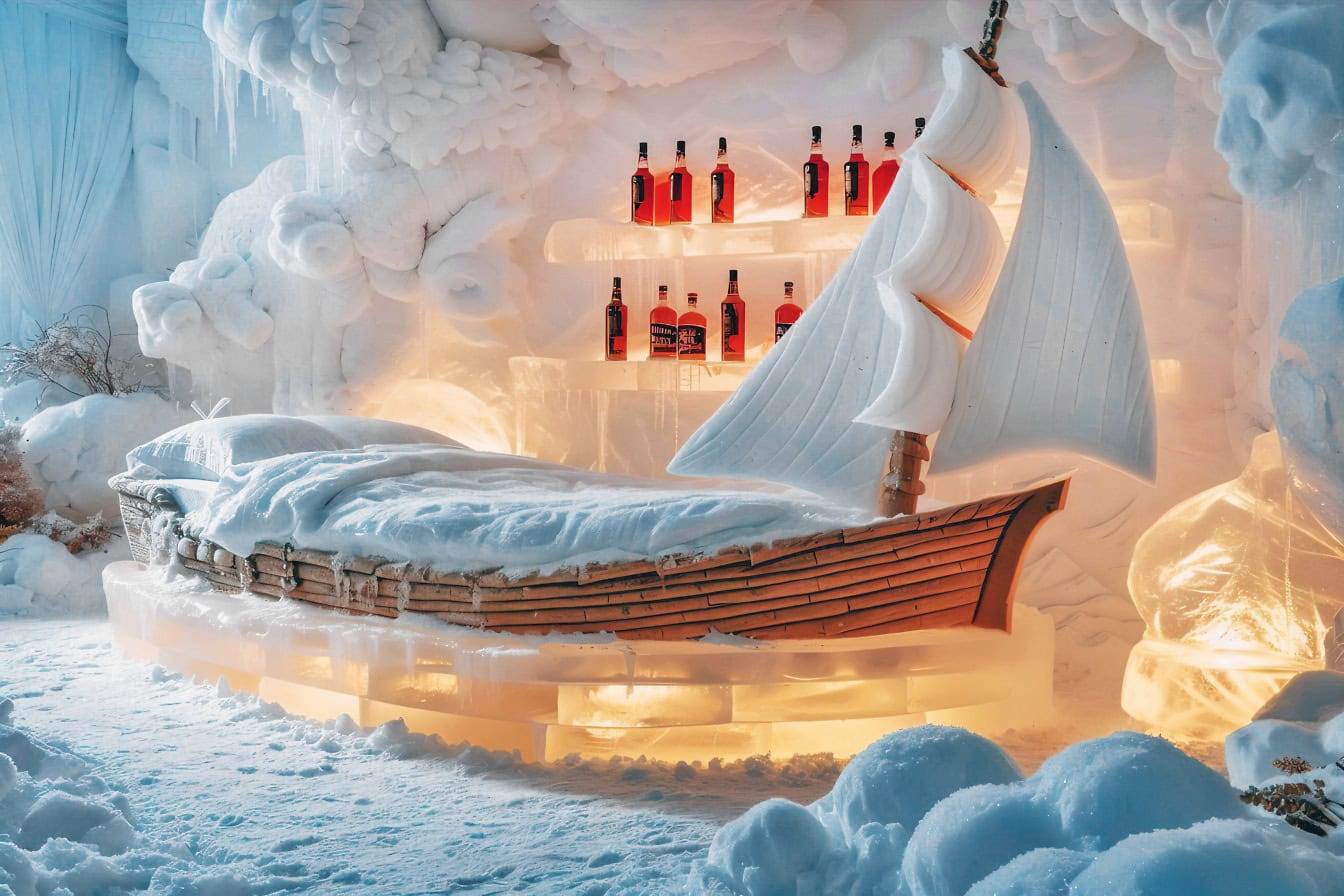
{"x": 691, "y": 331}
{"x": 856, "y": 176}
{"x": 885, "y": 174}
{"x": 734, "y": 322}
{"x": 679, "y": 189}
{"x": 641, "y": 189}
{"x": 816, "y": 180}
{"x": 617, "y": 315}
{"x": 787, "y": 314}
{"x": 721, "y": 188}
{"x": 663, "y": 328}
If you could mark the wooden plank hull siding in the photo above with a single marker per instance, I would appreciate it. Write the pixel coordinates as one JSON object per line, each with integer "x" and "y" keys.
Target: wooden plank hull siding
{"x": 948, "y": 567}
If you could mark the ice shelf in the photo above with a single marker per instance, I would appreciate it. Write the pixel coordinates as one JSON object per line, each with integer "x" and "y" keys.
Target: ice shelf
{"x": 549, "y": 697}
{"x": 594, "y": 239}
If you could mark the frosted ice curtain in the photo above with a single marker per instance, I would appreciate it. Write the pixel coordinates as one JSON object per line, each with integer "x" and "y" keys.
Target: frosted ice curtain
{"x": 65, "y": 141}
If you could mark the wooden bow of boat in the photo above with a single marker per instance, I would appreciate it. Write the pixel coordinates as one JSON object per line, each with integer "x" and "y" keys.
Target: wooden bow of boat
{"x": 947, "y": 567}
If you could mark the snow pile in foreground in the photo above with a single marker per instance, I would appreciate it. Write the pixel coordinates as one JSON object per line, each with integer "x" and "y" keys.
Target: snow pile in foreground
{"x": 40, "y": 577}
{"x": 62, "y": 827}
{"x": 1305, "y": 719}
{"x": 474, "y": 510}
{"x": 937, "y": 811}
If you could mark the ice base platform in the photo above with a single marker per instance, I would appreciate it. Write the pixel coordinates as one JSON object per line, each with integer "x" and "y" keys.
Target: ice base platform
{"x": 592, "y": 695}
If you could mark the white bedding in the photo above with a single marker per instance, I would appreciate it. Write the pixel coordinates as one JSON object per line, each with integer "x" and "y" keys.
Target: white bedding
{"x": 464, "y": 510}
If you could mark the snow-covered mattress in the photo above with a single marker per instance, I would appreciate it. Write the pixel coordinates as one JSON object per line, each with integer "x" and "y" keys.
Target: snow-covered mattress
{"x": 463, "y": 510}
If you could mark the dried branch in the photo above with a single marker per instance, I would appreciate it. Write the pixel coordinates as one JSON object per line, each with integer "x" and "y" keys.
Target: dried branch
{"x": 77, "y": 349}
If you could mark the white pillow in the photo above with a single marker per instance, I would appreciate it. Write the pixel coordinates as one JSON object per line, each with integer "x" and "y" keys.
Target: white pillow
{"x": 358, "y": 432}
{"x": 206, "y": 448}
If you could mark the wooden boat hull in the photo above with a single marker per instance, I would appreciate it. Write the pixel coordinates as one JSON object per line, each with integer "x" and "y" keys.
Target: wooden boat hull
{"x": 948, "y": 567}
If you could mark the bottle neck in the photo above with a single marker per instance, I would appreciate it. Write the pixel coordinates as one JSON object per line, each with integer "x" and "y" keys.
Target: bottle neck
{"x": 856, "y": 149}
{"x": 662, "y": 297}
{"x": 788, "y": 294}
{"x": 681, "y": 160}
{"x": 723, "y": 159}
{"x": 643, "y": 163}
{"x": 616, "y": 295}
{"x": 816, "y": 149}
{"x": 732, "y": 288}
{"x": 889, "y": 154}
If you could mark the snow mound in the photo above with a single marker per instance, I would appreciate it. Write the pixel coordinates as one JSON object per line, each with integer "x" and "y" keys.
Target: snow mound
{"x": 40, "y": 577}
{"x": 941, "y": 812}
{"x": 72, "y": 449}
{"x": 1305, "y": 719}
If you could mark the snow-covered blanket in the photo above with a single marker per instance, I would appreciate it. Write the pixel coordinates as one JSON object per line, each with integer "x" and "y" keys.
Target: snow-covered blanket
{"x": 457, "y": 509}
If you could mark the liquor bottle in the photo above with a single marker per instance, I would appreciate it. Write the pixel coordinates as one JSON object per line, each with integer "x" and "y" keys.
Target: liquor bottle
{"x": 641, "y": 189}
{"x": 787, "y": 314}
{"x": 691, "y": 331}
{"x": 885, "y": 174}
{"x": 617, "y": 314}
{"x": 919, "y": 127}
{"x": 679, "y": 189}
{"x": 721, "y": 188}
{"x": 734, "y": 322}
{"x": 856, "y": 176}
{"x": 816, "y": 180}
{"x": 663, "y": 328}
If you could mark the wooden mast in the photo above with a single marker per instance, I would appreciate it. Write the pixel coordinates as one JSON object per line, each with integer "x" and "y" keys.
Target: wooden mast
{"x": 900, "y": 486}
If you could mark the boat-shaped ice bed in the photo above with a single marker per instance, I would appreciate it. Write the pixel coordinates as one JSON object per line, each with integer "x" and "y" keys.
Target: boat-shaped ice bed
{"x": 551, "y": 696}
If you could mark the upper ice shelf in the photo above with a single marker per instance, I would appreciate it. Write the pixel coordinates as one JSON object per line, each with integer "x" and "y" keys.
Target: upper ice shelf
{"x": 594, "y": 239}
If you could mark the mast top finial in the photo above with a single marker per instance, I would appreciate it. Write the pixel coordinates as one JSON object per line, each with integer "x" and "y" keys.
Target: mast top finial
{"x": 989, "y": 43}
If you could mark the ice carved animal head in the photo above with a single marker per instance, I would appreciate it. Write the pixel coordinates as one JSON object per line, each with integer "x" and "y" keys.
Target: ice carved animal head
{"x": 1307, "y": 389}
{"x": 1283, "y": 102}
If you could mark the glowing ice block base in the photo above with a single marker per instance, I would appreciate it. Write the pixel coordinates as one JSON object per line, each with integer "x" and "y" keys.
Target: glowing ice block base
{"x": 594, "y": 695}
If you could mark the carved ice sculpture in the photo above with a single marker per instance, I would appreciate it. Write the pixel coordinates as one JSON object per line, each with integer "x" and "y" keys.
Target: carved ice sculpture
{"x": 440, "y": 142}
{"x": 1238, "y": 585}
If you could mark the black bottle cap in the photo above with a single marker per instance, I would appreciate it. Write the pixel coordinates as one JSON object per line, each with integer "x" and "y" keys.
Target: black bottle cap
{"x": 816, "y": 133}
{"x": 732, "y": 273}
{"x": 681, "y": 147}
{"x": 858, "y": 132}
{"x": 723, "y": 144}
{"x": 662, "y": 289}
{"x": 692, "y": 298}
{"x": 919, "y": 124}
{"x": 615, "y": 282}
{"x": 889, "y": 138}
{"x": 788, "y": 283}
{"x": 643, "y": 148}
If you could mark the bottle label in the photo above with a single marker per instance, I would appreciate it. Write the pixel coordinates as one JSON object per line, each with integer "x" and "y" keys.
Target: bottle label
{"x": 810, "y": 183}
{"x": 716, "y": 184}
{"x": 675, "y": 184}
{"x": 615, "y": 321}
{"x": 780, "y": 330}
{"x": 636, "y": 191}
{"x": 851, "y": 171}
{"x": 662, "y": 339}
{"x": 690, "y": 339}
{"x": 731, "y": 325}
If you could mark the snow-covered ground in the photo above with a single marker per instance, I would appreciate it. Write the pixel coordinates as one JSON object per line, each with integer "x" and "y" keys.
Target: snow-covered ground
{"x": 231, "y": 796}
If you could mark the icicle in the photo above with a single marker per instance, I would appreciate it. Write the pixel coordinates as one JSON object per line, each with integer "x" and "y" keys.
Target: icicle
{"x": 225, "y": 80}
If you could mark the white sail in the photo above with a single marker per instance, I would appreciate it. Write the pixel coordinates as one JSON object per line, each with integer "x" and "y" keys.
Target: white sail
{"x": 974, "y": 130}
{"x": 792, "y": 420}
{"x": 923, "y": 381}
{"x": 1059, "y": 361}
{"x": 956, "y": 256}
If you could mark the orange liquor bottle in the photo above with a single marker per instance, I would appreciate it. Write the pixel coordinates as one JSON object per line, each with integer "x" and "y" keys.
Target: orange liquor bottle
{"x": 885, "y": 174}
{"x": 734, "y": 322}
{"x": 816, "y": 180}
{"x": 787, "y": 314}
{"x": 641, "y": 189}
{"x": 721, "y": 188}
{"x": 691, "y": 331}
{"x": 679, "y": 189}
{"x": 663, "y": 328}
{"x": 617, "y": 316}
{"x": 856, "y": 176}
